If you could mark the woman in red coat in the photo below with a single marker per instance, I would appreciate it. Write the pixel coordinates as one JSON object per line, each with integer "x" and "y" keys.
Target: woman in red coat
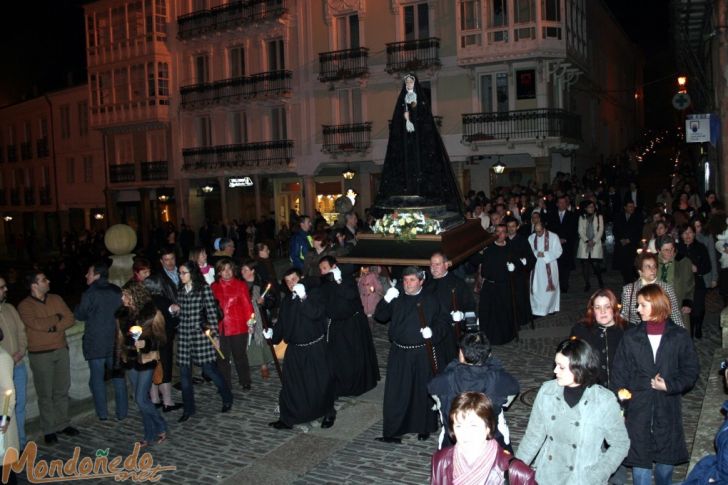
{"x": 476, "y": 458}
{"x": 234, "y": 298}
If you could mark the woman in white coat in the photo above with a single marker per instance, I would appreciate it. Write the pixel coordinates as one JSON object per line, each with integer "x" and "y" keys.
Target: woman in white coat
{"x": 590, "y": 251}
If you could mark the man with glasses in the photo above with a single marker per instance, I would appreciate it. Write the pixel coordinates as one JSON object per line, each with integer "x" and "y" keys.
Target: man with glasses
{"x": 46, "y": 317}
{"x": 15, "y": 343}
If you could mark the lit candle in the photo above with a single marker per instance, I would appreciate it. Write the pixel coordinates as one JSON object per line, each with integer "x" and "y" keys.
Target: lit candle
{"x": 371, "y": 289}
{"x": 251, "y": 328}
{"x": 266, "y": 290}
{"x": 6, "y": 402}
{"x": 135, "y": 332}
{"x": 212, "y": 341}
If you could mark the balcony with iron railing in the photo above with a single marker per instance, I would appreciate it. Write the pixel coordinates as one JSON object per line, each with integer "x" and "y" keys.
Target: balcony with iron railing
{"x": 157, "y": 170}
{"x": 26, "y": 150}
{"x": 350, "y": 138}
{"x": 413, "y": 55}
{"x": 229, "y": 16}
{"x": 15, "y": 197}
{"x": 41, "y": 147}
{"x": 12, "y": 153}
{"x": 344, "y": 64}
{"x": 44, "y": 195}
{"x": 261, "y": 85}
{"x": 122, "y": 173}
{"x": 520, "y": 125}
{"x": 263, "y": 155}
{"x": 29, "y": 196}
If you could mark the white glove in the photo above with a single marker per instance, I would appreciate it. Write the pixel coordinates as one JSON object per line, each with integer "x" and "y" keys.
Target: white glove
{"x": 426, "y": 333}
{"x": 300, "y": 291}
{"x": 511, "y": 267}
{"x": 391, "y": 294}
{"x": 337, "y": 274}
{"x": 523, "y": 261}
{"x": 268, "y": 333}
{"x": 457, "y": 316}
{"x": 393, "y": 282}
{"x": 410, "y": 127}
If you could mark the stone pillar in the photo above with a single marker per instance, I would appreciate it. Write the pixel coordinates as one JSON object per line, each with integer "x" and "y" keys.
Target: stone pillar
{"x": 182, "y": 200}
{"x": 258, "y": 205}
{"x": 87, "y": 218}
{"x": 223, "y": 199}
{"x": 543, "y": 170}
{"x": 308, "y": 195}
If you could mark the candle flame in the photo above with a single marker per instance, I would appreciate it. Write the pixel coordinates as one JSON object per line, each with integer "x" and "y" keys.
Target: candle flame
{"x": 207, "y": 332}
{"x": 8, "y": 392}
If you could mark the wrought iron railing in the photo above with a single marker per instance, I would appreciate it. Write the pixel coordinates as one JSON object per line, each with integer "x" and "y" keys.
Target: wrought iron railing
{"x": 355, "y": 137}
{"x": 345, "y": 64}
{"x": 229, "y": 15}
{"x": 125, "y": 172}
{"x": 158, "y": 170}
{"x": 44, "y": 195}
{"x": 26, "y": 150}
{"x": 413, "y": 55}
{"x": 12, "y": 153}
{"x": 267, "y": 154}
{"x": 264, "y": 84}
{"x": 521, "y": 124}
{"x": 41, "y": 146}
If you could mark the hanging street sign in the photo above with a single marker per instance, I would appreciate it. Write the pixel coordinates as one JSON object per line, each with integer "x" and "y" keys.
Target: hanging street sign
{"x": 240, "y": 182}
{"x": 681, "y": 101}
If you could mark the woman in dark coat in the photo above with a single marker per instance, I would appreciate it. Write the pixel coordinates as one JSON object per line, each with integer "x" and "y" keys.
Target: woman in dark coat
{"x": 698, "y": 254}
{"x": 656, "y": 362}
{"x": 308, "y": 388}
{"x": 140, "y": 352}
{"x": 602, "y": 327}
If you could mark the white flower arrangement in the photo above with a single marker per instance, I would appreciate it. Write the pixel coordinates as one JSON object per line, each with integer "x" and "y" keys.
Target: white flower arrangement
{"x": 406, "y": 225}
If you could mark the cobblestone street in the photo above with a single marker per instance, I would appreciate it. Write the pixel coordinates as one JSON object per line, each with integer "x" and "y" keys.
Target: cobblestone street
{"x": 239, "y": 447}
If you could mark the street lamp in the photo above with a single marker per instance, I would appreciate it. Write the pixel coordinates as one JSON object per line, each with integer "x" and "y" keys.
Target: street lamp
{"x": 682, "y": 82}
{"x": 8, "y": 218}
{"x": 208, "y": 188}
{"x": 499, "y": 167}
{"x": 348, "y": 174}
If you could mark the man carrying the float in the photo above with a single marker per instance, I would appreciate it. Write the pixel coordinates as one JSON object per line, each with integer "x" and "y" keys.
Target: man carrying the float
{"x": 418, "y": 325}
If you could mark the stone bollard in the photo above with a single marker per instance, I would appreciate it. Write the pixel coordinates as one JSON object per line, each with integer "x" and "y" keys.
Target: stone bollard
{"x": 120, "y": 240}
{"x": 724, "y": 327}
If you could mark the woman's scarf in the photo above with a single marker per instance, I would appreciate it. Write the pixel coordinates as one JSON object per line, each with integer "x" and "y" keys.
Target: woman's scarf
{"x": 475, "y": 473}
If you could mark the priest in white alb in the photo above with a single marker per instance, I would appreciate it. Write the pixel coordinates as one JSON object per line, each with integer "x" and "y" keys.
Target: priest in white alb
{"x": 545, "y": 294}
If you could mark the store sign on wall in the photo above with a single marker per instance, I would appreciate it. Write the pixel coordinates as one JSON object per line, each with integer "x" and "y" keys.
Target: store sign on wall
{"x": 240, "y": 182}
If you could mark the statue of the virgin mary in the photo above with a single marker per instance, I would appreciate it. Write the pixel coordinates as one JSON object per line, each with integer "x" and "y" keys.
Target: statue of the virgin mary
{"x": 416, "y": 162}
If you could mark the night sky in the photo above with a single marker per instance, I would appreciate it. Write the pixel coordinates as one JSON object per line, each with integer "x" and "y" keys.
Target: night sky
{"x": 42, "y": 47}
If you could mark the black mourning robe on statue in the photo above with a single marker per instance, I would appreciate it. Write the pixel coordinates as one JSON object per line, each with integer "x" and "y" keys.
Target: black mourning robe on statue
{"x": 407, "y": 404}
{"x": 442, "y": 289}
{"x": 308, "y": 388}
{"x": 496, "y": 312}
{"x": 352, "y": 356}
{"x": 417, "y": 163}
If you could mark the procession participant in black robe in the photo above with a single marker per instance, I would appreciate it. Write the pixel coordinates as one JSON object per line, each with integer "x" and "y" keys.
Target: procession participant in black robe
{"x": 407, "y": 404}
{"x": 497, "y": 265}
{"x": 308, "y": 388}
{"x": 416, "y": 162}
{"x": 351, "y": 352}
{"x": 522, "y": 252}
{"x": 441, "y": 285}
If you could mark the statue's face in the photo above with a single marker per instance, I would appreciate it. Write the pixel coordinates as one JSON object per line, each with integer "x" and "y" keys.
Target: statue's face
{"x": 409, "y": 83}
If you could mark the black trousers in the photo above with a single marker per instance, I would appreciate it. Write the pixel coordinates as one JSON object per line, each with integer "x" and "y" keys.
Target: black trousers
{"x": 234, "y": 347}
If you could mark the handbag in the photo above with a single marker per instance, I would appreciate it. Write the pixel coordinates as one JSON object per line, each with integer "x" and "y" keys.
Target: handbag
{"x": 158, "y": 375}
